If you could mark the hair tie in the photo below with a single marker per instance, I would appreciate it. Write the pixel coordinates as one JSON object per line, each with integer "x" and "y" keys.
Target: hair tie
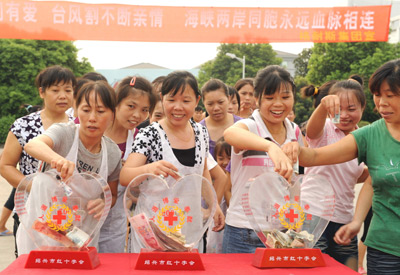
{"x": 316, "y": 91}
{"x": 133, "y": 80}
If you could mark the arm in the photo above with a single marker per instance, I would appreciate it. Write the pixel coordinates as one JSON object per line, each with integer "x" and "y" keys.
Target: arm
{"x": 219, "y": 218}
{"x": 114, "y": 191}
{"x": 239, "y": 136}
{"x": 136, "y": 165}
{"x": 8, "y": 162}
{"x": 364, "y": 175}
{"x": 41, "y": 148}
{"x": 316, "y": 123}
{"x": 218, "y": 179}
{"x": 228, "y": 189}
{"x": 341, "y": 151}
{"x": 364, "y": 202}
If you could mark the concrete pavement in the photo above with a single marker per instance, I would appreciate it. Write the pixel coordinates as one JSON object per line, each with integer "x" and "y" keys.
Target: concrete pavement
{"x": 6, "y": 243}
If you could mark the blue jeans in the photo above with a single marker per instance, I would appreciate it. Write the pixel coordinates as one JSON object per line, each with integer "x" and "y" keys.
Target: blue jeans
{"x": 240, "y": 240}
{"x": 379, "y": 262}
{"x": 345, "y": 254}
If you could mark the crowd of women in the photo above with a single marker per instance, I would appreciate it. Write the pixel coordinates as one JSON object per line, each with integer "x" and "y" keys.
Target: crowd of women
{"x": 87, "y": 126}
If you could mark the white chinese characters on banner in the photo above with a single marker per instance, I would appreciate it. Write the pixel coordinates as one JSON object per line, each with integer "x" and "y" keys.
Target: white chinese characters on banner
{"x": 367, "y": 20}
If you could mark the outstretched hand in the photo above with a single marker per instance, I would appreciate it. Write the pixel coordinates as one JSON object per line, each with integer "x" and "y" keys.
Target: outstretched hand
{"x": 163, "y": 168}
{"x": 283, "y": 165}
{"x": 331, "y": 103}
{"x": 64, "y": 167}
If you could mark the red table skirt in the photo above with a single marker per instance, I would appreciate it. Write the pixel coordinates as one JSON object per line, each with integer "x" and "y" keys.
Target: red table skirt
{"x": 119, "y": 264}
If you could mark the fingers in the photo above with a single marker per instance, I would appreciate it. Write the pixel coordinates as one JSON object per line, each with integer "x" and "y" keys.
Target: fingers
{"x": 332, "y": 105}
{"x": 95, "y": 207}
{"x": 285, "y": 169}
{"x": 344, "y": 235}
{"x": 219, "y": 221}
{"x": 64, "y": 167}
{"x": 165, "y": 169}
{"x": 291, "y": 150}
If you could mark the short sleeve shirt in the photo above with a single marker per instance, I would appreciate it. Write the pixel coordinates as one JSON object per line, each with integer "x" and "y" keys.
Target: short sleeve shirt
{"x": 25, "y": 129}
{"x": 148, "y": 142}
{"x": 381, "y": 153}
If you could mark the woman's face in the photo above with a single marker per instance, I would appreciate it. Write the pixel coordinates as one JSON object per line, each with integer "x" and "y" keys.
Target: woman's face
{"x": 216, "y": 104}
{"x": 133, "y": 110}
{"x": 275, "y": 108}
{"x": 233, "y": 106}
{"x": 158, "y": 112}
{"x": 388, "y": 104}
{"x": 246, "y": 94}
{"x": 58, "y": 98}
{"x": 94, "y": 117}
{"x": 178, "y": 109}
{"x": 350, "y": 111}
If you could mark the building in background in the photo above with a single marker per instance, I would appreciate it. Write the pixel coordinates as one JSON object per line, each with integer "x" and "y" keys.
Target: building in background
{"x": 287, "y": 61}
{"x": 152, "y": 71}
{"x": 146, "y": 70}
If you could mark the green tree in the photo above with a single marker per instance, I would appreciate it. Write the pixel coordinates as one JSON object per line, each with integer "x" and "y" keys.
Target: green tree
{"x": 21, "y": 61}
{"x": 303, "y": 106}
{"x": 229, "y": 70}
{"x": 301, "y": 62}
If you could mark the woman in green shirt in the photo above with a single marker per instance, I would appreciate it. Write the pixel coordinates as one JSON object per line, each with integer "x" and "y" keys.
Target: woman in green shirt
{"x": 378, "y": 146}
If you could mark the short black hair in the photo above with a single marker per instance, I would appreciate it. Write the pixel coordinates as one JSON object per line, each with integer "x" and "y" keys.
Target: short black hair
{"x": 176, "y": 82}
{"x": 54, "y": 75}
{"x": 390, "y": 71}
{"x": 270, "y": 79}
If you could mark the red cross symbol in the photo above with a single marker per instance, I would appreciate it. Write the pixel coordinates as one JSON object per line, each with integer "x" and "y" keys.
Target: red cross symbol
{"x": 171, "y": 218}
{"x": 59, "y": 217}
{"x": 291, "y": 216}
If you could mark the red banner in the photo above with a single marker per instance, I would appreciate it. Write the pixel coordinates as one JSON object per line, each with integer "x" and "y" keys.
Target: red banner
{"x": 58, "y": 20}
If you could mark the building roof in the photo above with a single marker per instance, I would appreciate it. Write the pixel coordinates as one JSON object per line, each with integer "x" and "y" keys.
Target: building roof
{"x": 285, "y": 54}
{"x": 145, "y": 66}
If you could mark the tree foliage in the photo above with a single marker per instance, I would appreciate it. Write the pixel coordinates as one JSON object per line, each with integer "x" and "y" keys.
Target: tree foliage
{"x": 301, "y": 63}
{"x": 229, "y": 70}
{"x": 21, "y": 61}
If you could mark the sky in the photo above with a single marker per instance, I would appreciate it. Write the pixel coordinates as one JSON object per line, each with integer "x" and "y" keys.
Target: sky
{"x": 116, "y": 55}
